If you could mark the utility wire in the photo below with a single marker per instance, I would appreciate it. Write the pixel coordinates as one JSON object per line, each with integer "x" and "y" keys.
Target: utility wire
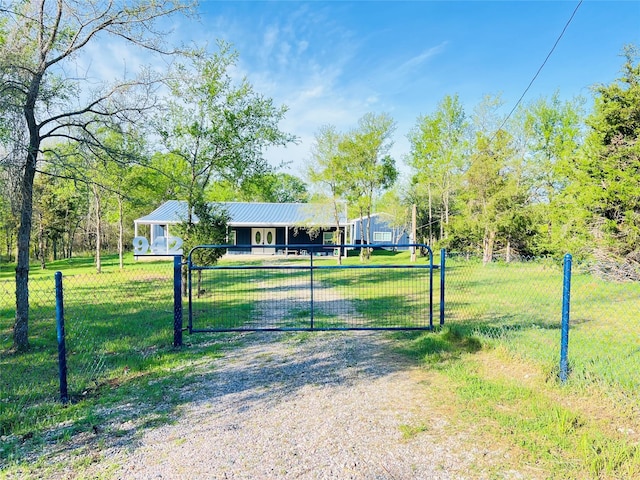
{"x": 539, "y": 70}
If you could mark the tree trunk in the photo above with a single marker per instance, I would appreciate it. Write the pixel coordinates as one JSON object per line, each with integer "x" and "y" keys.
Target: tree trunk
{"x": 487, "y": 246}
{"x": 41, "y": 243}
{"x": 368, "y": 250}
{"x": 414, "y": 230}
{"x": 185, "y": 276}
{"x": 445, "y": 204}
{"x": 21, "y": 326}
{"x": 430, "y": 215}
{"x": 362, "y": 236}
{"x": 338, "y": 236}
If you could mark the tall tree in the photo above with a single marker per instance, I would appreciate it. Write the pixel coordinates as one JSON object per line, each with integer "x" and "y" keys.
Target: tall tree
{"x": 219, "y": 129}
{"x": 494, "y": 195}
{"x": 439, "y": 143}
{"x": 369, "y": 168}
{"x": 553, "y": 135}
{"x": 606, "y": 174}
{"x": 327, "y": 170}
{"x": 41, "y": 40}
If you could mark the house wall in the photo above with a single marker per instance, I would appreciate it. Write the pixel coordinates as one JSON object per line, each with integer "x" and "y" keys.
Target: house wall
{"x": 295, "y": 236}
{"x": 378, "y": 225}
{"x": 243, "y": 237}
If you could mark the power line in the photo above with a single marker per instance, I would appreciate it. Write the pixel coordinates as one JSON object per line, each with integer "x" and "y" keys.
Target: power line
{"x": 539, "y": 69}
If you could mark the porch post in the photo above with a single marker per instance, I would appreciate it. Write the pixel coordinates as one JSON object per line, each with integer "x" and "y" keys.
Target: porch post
{"x": 286, "y": 240}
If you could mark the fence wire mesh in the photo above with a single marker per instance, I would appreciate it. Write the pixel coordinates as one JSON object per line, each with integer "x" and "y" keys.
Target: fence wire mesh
{"x": 294, "y": 295}
{"x": 518, "y": 304}
{"x": 117, "y": 322}
{"x": 114, "y": 322}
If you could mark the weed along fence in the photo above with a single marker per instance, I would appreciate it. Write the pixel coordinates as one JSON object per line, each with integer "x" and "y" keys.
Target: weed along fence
{"x": 313, "y": 291}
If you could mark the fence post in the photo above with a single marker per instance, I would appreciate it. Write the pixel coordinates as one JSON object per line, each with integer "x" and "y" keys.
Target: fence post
{"x": 62, "y": 349}
{"x": 311, "y": 303}
{"x": 566, "y": 300}
{"x": 177, "y": 301}
{"x": 443, "y": 255}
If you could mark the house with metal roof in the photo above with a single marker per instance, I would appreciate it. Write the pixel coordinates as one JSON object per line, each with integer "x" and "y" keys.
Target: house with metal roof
{"x": 258, "y": 226}
{"x": 382, "y": 230}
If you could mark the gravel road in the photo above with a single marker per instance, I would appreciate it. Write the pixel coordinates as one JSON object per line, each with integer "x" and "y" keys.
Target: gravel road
{"x": 310, "y": 406}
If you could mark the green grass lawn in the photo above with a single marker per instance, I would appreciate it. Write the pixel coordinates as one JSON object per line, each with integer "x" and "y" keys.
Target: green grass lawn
{"x": 497, "y": 356}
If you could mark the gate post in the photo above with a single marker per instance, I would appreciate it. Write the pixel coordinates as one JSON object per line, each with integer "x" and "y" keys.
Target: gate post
{"x": 311, "y": 304}
{"x": 177, "y": 301}
{"x": 62, "y": 348}
{"x": 566, "y": 298}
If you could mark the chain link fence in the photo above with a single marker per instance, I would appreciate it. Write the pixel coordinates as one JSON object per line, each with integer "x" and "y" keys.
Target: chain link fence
{"x": 115, "y": 321}
{"x": 118, "y": 321}
{"x": 518, "y": 305}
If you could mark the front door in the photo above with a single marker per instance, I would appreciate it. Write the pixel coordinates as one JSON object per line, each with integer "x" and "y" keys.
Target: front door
{"x": 261, "y": 238}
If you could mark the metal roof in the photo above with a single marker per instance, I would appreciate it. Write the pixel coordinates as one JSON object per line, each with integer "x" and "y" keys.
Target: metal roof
{"x": 245, "y": 214}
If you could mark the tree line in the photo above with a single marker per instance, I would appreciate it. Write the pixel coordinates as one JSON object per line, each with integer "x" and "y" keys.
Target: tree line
{"x": 547, "y": 179}
{"x": 80, "y": 159}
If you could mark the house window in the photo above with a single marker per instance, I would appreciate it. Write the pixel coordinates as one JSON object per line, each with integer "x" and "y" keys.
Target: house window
{"x": 232, "y": 237}
{"x": 381, "y": 236}
{"x": 328, "y": 238}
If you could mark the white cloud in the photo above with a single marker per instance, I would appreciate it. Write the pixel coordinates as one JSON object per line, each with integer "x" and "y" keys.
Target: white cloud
{"x": 423, "y": 57}
{"x": 302, "y": 47}
{"x": 270, "y": 38}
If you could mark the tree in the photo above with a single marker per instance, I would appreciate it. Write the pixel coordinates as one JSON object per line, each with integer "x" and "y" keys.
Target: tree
{"x": 327, "y": 171}
{"x": 368, "y": 167}
{"x": 112, "y": 182}
{"x": 8, "y": 217}
{"x": 438, "y": 147}
{"x": 399, "y": 209}
{"x": 553, "y": 135}
{"x": 219, "y": 130}
{"x": 606, "y": 174}
{"x": 208, "y": 226}
{"x": 494, "y": 194}
{"x": 41, "y": 39}
{"x": 275, "y": 187}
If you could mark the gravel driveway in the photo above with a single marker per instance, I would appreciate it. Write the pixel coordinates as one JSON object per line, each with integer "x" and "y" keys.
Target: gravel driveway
{"x": 313, "y": 406}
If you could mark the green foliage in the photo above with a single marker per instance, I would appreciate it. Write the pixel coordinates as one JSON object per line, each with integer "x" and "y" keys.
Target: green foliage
{"x": 275, "y": 188}
{"x": 439, "y": 143}
{"x": 218, "y": 128}
{"x": 606, "y": 175}
{"x": 209, "y": 229}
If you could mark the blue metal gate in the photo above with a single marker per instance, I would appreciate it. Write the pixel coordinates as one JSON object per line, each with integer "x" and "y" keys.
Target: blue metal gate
{"x": 304, "y": 288}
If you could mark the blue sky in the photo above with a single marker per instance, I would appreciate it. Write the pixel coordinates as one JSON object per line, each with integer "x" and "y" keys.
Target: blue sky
{"x": 332, "y": 62}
